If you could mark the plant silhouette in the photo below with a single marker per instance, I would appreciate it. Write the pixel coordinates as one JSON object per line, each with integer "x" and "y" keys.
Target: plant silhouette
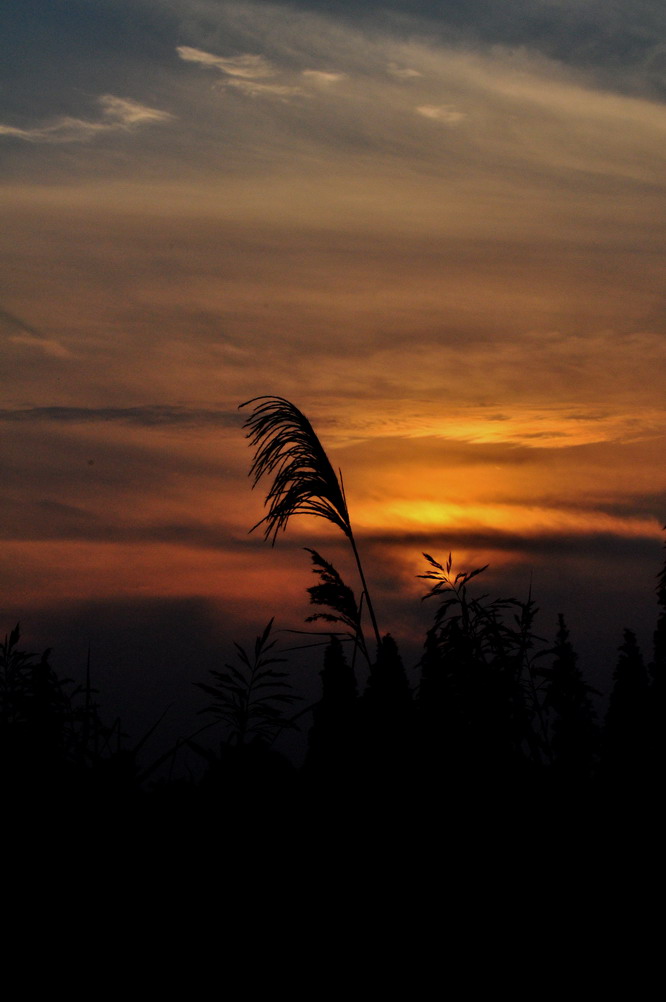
{"x": 478, "y": 676}
{"x": 33, "y": 708}
{"x": 251, "y": 700}
{"x": 338, "y": 597}
{"x": 49, "y": 739}
{"x": 304, "y": 480}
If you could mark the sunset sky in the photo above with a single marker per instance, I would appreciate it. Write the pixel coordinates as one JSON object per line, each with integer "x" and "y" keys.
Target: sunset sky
{"x": 438, "y": 228}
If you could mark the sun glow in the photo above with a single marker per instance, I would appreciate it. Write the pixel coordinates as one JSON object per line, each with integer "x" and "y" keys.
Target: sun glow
{"x": 529, "y": 520}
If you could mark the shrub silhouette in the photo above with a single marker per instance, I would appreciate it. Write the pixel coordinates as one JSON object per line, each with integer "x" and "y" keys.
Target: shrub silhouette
{"x": 51, "y": 739}
{"x": 33, "y": 704}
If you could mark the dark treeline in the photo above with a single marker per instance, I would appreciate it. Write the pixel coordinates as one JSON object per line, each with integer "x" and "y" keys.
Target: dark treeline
{"x": 494, "y": 714}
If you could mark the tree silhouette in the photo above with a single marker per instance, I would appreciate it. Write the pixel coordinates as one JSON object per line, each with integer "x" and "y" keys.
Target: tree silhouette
{"x": 332, "y": 743}
{"x": 567, "y": 701}
{"x": 657, "y": 695}
{"x": 387, "y": 718}
{"x": 658, "y": 666}
{"x": 626, "y": 728}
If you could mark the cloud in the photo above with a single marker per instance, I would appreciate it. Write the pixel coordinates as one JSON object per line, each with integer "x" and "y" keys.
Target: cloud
{"x": 403, "y": 72}
{"x": 253, "y": 89}
{"x": 247, "y": 66}
{"x": 521, "y": 110}
{"x": 125, "y": 112}
{"x": 30, "y": 338}
{"x": 242, "y": 72}
{"x": 643, "y": 543}
{"x": 323, "y": 77}
{"x": 119, "y": 114}
{"x": 148, "y": 417}
{"x": 51, "y": 348}
{"x": 442, "y": 113}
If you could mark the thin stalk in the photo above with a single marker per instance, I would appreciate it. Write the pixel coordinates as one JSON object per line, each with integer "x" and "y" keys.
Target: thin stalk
{"x": 368, "y": 600}
{"x": 371, "y": 611}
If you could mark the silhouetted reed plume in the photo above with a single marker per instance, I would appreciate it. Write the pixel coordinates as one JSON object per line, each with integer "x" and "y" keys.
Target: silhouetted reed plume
{"x": 304, "y": 482}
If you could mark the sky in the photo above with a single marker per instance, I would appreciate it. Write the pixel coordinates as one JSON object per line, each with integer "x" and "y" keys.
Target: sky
{"x": 437, "y": 228}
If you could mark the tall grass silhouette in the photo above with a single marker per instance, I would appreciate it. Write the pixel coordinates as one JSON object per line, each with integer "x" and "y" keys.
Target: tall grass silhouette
{"x": 250, "y": 699}
{"x": 304, "y": 481}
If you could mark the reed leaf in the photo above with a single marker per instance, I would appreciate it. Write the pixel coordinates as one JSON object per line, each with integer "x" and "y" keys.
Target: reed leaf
{"x": 338, "y": 597}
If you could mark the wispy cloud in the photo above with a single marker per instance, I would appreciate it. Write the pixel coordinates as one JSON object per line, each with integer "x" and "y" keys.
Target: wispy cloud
{"x": 118, "y": 114}
{"x": 254, "y": 89}
{"x": 446, "y": 113}
{"x": 323, "y": 76}
{"x": 520, "y": 110}
{"x": 403, "y": 72}
{"x": 49, "y": 347}
{"x": 245, "y": 73}
{"x": 125, "y": 113}
{"x": 247, "y": 65}
{"x": 24, "y": 334}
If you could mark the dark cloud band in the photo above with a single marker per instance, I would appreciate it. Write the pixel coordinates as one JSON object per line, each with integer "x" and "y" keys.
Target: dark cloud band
{"x": 147, "y": 417}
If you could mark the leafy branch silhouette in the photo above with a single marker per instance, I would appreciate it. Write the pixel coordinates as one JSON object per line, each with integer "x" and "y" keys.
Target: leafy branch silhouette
{"x": 251, "y": 699}
{"x": 338, "y": 597}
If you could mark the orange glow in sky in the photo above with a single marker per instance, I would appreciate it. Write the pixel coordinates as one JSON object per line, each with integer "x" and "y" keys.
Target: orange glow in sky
{"x": 449, "y": 255}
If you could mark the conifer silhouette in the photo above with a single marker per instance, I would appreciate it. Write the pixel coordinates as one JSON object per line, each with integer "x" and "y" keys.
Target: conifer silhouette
{"x": 626, "y": 728}
{"x": 572, "y": 717}
{"x": 332, "y": 740}
{"x": 658, "y": 666}
{"x": 657, "y": 696}
{"x": 387, "y": 718}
